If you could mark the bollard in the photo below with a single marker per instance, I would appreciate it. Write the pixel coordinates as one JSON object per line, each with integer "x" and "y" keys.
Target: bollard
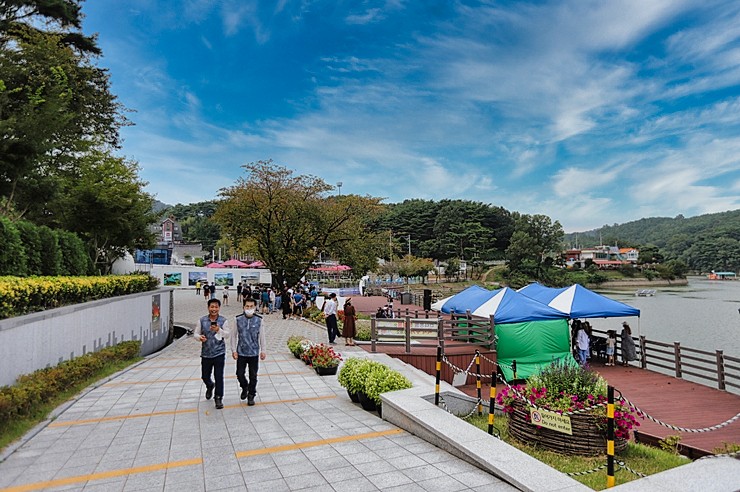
{"x": 477, "y": 382}
{"x": 513, "y": 367}
{"x": 610, "y": 437}
{"x": 439, "y": 370}
{"x": 492, "y": 402}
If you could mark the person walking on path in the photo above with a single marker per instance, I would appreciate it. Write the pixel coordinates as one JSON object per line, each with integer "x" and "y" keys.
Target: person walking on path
{"x": 226, "y": 295}
{"x": 348, "y": 328}
{"x": 247, "y": 342}
{"x": 212, "y": 331}
{"x": 583, "y": 343}
{"x": 212, "y": 290}
{"x": 239, "y": 292}
{"x": 197, "y": 288}
{"x": 330, "y": 315}
{"x": 627, "y": 345}
{"x": 206, "y": 291}
{"x": 286, "y": 304}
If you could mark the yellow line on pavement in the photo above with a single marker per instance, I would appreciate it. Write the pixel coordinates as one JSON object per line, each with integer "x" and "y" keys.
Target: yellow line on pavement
{"x": 176, "y": 412}
{"x": 320, "y": 442}
{"x": 180, "y": 380}
{"x": 59, "y": 482}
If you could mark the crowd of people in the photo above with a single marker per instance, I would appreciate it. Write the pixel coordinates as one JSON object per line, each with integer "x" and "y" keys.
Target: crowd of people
{"x": 584, "y": 343}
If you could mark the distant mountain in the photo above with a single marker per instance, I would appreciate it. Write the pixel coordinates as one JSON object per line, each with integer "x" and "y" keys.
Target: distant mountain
{"x": 159, "y": 206}
{"x": 705, "y": 242}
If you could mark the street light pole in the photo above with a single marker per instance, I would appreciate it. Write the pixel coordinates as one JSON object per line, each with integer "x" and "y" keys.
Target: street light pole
{"x": 339, "y": 185}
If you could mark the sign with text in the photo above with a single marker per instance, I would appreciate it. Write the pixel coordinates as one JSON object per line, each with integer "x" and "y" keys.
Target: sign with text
{"x": 551, "y": 420}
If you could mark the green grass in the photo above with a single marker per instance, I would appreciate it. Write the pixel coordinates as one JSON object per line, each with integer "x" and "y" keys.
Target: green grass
{"x": 644, "y": 459}
{"x": 19, "y": 426}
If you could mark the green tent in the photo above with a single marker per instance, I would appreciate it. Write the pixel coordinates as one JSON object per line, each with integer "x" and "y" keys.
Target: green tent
{"x": 532, "y": 344}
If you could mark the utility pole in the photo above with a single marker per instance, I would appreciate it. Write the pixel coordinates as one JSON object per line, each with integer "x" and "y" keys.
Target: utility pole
{"x": 409, "y": 244}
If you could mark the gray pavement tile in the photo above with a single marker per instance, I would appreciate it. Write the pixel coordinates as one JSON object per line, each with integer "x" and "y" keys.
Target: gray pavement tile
{"x": 226, "y": 482}
{"x": 256, "y": 463}
{"x": 110, "y": 465}
{"x": 495, "y": 487}
{"x": 148, "y": 480}
{"x": 300, "y": 468}
{"x": 375, "y": 467}
{"x": 191, "y": 486}
{"x": 408, "y": 487}
{"x": 108, "y": 486}
{"x": 74, "y": 471}
{"x": 442, "y": 484}
{"x": 363, "y": 457}
{"x": 424, "y": 472}
{"x": 393, "y": 452}
{"x": 340, "y": 474}
{"x": 321, "y": 452}
{"x": 389, "y": 479}
{"x": 277, "y": 485}
{"x": 262, "y": 475}
{"x": 184, "y": 474}
{"x": 456, "y": 466}
{"x": 476, "y": 478}
{"x": 407, "y": 461}
{"x": 290, "y": 457}
{"x": 361, "y": 484}
{"x": 307, "y": 481}
{"x": 437, "y": 456}
{"x": 322, "y": 464}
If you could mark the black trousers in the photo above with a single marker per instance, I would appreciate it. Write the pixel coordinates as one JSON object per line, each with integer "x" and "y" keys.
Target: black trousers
{"x": 331, "y": 327}
{"x": 254, "y": 364}
{"x": 215, "y": 365}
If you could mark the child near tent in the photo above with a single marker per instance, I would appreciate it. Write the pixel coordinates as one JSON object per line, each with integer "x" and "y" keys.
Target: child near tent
{"x": 611, "y": 345}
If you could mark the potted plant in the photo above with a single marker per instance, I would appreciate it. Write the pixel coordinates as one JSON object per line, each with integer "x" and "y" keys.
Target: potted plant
{"x": 295, "y": 347}
{"x": 352, "y": 376}
{"x": 382, "y": 379}
{"x": 324, "y": 360}
{"x": 563, "y": 387}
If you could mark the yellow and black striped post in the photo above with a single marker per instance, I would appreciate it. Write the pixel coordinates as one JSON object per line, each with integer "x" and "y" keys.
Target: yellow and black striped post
{"x": 439, "y": 370}
{"x": 477, "y": 382}
{"x": 610, "y": 437}
{"x": 492, "y": 401}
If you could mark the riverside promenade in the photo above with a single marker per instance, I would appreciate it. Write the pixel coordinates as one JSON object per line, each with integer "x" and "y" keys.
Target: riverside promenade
{"x": 149, "y": 428}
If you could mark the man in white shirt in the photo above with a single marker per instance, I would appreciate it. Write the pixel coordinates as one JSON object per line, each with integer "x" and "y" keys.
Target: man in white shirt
{"x": 330, "y": 315}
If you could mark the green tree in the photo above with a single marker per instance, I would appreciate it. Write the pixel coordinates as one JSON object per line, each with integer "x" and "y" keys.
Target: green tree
{"x": 74, "y": 257}
{"x": 105, "y": 204}
{"x": 535, "y": 239}
{"x": 287, "y": 220}
{"x": 51, "y": 259}
{"x": 12, "y": 254}
{"x": 32, "y": 242}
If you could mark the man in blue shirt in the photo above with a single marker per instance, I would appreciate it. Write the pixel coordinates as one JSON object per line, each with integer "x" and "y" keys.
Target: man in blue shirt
{"x": 247, "y": 342}
{"x": 211, "y": 331}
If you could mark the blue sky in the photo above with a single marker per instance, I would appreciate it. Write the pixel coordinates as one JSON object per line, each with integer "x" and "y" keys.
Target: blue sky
{"x": 590, "y": 112}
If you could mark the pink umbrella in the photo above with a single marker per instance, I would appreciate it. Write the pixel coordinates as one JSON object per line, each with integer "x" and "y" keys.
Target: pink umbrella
{"x": 234, "y": 263}
{"x": 215, "y": 265}
{"x": 256, "y": 264}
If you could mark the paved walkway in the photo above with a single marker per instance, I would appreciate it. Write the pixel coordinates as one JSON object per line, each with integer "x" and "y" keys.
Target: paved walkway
{"x": 151, "y": 429}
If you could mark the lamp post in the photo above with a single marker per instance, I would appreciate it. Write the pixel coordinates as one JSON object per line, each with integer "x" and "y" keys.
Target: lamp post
{"x": 339, "y": 185}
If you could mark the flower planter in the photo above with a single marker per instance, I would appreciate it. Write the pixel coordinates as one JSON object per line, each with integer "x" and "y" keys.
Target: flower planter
{"x": 326, "y": 371}
{"x": 354, "y": 397}
{"x": 367, "y": 403}
{"x": 589, "y": 433}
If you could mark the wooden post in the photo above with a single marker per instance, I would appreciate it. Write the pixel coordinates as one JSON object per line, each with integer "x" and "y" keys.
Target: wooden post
{"x": 407, "y": 332}
{"x": 720, "y": 370}
{"x": 373, "y": 333}
{"x": 643, "y": 352}
{"x": 677, "y": 357}
{"x": 609, "y": 437}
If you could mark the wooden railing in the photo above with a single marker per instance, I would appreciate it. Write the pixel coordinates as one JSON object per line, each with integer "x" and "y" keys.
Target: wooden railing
{"x": 716, "y": 367}
{"x": 429, "y": 332}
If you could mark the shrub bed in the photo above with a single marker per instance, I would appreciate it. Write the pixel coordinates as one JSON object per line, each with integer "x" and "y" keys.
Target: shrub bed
{"x": 35, "y": 389}
{"x": 23, "y": 295}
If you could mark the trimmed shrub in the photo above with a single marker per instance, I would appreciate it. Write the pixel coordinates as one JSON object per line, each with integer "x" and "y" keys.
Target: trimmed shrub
{"x": 12, "y": 252}
{"x": 39, "y": 387}
{"x": 20, "y": 296}
{"x": 74, "y": 257}
{"x": 32, "y": 245}
{"x": 51, "y": 256}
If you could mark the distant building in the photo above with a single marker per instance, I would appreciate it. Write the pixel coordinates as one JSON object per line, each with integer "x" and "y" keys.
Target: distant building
{"x": 604, "y": 257}
{"x": 168, "y": 231}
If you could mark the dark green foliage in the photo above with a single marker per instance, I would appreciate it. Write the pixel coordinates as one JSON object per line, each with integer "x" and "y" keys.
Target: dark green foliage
{"x": 51, "y": 255}
{"x": 74, "y": 257}
{"x": 34, "y": 389}
{"x": 702, "y": 243}
{"x": 197, "y": 225}
{"x": 32, "y": 245}
{"x": 12, "y": 252}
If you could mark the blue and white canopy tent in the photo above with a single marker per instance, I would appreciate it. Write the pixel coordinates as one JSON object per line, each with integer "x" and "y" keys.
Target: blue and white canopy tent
{"x": 528, "y": 331}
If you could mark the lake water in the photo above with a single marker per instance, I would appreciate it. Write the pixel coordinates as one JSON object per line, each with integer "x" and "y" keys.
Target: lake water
{"x": 702, "y": 315}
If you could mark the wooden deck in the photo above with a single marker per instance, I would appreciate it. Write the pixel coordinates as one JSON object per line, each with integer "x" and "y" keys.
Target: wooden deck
{"x": 672, "y": 400}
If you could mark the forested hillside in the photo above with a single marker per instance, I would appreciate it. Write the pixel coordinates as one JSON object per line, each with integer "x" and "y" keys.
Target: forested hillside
{"x": 704, "y": 243}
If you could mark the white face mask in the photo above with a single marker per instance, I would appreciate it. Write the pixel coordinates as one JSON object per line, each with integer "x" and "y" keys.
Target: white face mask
{"x": 249, "y": 312}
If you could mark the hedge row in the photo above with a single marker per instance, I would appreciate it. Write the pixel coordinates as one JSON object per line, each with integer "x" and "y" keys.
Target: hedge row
{"x": 22, "y": 295}
{"x": 39, "y": 387}
{"x": 29, "y": 249}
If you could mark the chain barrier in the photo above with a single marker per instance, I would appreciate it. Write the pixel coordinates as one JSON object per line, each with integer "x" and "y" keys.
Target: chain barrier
{"x": 466, "y": 417}
{"x": 624, "y": 466}
{"x": 466, "y": 371}
{"x": 587, "y": 472}
{"x": 734, "y": 454}
{"x": 675, "y": 427}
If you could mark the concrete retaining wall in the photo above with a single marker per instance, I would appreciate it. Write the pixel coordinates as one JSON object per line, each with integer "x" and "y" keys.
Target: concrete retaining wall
{"x": 44, "y": 339}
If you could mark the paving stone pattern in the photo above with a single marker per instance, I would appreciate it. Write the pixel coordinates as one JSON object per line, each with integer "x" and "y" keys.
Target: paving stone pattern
{"x": 151, "y": 429}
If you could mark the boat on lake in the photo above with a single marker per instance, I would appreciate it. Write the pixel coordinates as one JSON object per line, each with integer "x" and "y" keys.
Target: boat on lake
{"x": 645, "y": 292}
